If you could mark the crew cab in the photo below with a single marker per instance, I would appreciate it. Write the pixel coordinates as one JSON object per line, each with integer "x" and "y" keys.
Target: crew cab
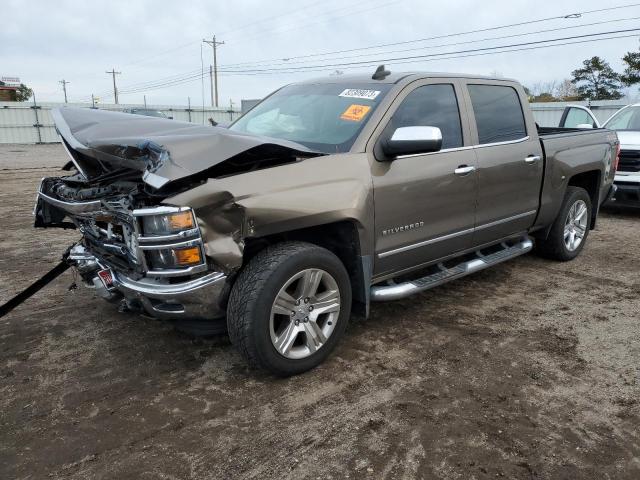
{"x": 328, "y": 195}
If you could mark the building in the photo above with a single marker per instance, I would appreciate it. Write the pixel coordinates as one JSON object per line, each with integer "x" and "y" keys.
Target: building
{"x": 8, "y": 93}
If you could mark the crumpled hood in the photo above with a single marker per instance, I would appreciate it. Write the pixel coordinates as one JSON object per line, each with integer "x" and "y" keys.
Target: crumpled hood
{"x": 165, "y": 150}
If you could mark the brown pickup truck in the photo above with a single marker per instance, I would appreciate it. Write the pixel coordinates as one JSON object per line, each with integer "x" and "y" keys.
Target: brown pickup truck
{"x": 326, "y": 196}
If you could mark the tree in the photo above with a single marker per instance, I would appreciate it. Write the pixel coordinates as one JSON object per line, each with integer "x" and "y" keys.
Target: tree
{"x": 544, "y": 97}
{"x": 631, "y": 73}
{"x": 23, "y": 93}
{"x": 596, "y": 80}
{"x": 567, "y": 91}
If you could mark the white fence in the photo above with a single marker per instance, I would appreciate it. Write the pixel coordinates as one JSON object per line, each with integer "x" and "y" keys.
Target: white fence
{"x": 548, "y": 114}
{"x": 28, "y": 122}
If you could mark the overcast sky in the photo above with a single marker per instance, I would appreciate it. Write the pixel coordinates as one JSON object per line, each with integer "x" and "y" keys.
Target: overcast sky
{"x": 152, "y": 42}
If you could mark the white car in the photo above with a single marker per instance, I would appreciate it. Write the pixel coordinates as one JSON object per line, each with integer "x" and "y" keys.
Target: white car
{"x": 626, "y": 123}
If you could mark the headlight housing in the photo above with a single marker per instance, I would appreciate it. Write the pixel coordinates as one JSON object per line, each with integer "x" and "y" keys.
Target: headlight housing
{"x": 169, "y": 258}
{"x": 171, "y": 241}
{"x": 168, "y": 223}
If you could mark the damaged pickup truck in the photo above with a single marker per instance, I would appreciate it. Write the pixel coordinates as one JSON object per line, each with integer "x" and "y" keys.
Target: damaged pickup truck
{"x": 328, "y": 195}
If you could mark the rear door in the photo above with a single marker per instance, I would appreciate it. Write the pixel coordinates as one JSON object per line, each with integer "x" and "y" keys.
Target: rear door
{"x": 509, "y": 161}
{"x": 424, "y": 210}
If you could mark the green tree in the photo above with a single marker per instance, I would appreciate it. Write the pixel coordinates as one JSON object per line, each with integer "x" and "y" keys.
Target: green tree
{"x": 597, "y": 80}
{"x": 23, "y": 93}
{"x": 631, "y": 73}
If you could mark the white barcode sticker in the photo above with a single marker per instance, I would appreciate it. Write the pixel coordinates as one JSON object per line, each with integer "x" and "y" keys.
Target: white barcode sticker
{"x": 359, "y": 93}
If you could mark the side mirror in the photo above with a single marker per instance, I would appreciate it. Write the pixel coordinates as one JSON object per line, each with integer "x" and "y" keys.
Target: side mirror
{"x": 411, "y": 140}
{"x": 584, "y": 125}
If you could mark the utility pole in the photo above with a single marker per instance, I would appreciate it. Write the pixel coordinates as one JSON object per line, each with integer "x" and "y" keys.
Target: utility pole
{"x": 115, "y": 89}
{"x": 211, "y": 83}
{"x": 64, "y": 88}
{"x": 214, "y": 44}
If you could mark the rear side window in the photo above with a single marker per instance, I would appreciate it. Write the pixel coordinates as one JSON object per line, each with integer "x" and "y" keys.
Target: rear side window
{"x": 498, "y": 113}
{"x": 432, "y": 106}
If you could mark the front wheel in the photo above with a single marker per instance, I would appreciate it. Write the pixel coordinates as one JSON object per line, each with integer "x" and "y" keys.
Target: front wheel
{"x": 289, "y": 307}
{"x": 570, "y": 229}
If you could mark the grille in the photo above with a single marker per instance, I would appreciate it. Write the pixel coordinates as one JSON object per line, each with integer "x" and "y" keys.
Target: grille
{"x": 629, "y": 161}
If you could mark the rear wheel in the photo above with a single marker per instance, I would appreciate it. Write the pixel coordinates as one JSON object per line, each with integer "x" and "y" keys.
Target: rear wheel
{"x": 289, "y": 307}
{"x": 570, "y": 230}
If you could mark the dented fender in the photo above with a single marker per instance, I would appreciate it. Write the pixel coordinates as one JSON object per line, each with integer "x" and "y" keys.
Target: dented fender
{"x": 289, "y": 197}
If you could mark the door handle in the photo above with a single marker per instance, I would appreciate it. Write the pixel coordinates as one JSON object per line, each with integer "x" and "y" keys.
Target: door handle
{"x": 463, "y": 170}
{"x": 532, "y": 158}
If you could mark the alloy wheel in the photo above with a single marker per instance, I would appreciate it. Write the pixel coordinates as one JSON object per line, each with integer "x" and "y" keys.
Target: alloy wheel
{"x": 304, "y": 313}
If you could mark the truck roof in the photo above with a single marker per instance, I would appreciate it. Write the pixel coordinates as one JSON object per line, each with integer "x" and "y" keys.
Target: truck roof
{"x": 396, "y": 77}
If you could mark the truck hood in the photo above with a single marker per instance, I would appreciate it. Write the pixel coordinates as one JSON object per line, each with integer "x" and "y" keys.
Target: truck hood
{"x": 629, "y": 139}
{"x": 100, "y": 142}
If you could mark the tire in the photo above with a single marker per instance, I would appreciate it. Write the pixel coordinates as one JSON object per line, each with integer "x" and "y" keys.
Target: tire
{"x": 265, "y": 332}
{"x": 557, "y": 246}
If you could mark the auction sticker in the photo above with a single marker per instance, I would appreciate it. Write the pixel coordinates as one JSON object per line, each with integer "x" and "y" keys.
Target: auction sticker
{"x": 359, "y": 93}
{"x": 355, "y": 113}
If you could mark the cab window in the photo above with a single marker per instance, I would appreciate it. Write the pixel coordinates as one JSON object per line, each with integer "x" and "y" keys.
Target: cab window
{"x": 432, "y": 106}
{"x": 498, "y": 113}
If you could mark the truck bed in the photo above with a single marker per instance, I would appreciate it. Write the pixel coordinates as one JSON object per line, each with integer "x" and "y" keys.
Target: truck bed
{"x": 547, "y": 131}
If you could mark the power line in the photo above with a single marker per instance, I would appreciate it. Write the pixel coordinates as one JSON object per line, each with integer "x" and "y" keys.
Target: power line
{"x": 451, "y": 55}
{"x": 191, "y": 74}
{"x": 501, "y": 37}
{"x": 468, "y": 32}
{"x": 394, "y": 59}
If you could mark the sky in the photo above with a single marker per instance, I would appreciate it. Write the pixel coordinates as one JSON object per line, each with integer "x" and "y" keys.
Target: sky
{"x": 157, "y": 45}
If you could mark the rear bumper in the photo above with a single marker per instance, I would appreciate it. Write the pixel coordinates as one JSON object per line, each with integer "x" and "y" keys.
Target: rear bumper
{"x": 200, "y": 298}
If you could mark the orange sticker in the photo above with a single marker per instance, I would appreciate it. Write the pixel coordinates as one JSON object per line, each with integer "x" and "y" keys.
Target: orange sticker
{"x": 355, "y": 113}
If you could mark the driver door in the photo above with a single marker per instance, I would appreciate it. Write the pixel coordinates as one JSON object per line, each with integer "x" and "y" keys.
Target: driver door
{"x": 425, "y": 203}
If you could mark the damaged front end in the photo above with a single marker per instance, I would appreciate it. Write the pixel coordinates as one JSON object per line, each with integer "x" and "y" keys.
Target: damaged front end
{"x": 136, "y": 246}
{"x": 152, "y": 257}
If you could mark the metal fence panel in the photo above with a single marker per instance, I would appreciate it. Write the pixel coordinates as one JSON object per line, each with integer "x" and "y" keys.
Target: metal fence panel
{"x": 27, "y": 122}
{"x": 548, "y": 114}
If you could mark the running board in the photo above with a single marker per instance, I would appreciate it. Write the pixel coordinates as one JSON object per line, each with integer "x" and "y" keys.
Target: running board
{"x": 395, "y": 291}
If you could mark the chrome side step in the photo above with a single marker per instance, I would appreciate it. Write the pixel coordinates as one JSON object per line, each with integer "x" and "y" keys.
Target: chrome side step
{"x": 480, "y": 261}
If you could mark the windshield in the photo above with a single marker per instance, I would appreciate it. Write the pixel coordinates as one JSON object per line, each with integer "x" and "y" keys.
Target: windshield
{"x": 626, "y": 119}
{"x": 322, "y": 117}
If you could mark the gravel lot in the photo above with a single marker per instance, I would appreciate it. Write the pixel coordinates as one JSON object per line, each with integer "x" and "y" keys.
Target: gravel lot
{"x": 530, "y": 370}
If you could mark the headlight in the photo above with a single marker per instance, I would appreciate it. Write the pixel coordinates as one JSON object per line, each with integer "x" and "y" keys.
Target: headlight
{"x": 168, "y": 223}
{"x": 174, "y": 257}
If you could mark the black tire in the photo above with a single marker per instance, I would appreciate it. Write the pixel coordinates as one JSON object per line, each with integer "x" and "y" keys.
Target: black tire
{"x": 554, "y": 246}
{"x": 253, "y": 294}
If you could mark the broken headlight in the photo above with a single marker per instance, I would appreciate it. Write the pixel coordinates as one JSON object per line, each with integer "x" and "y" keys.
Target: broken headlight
{"x": 174, "y": 257}
{"x": 166, "y": 224}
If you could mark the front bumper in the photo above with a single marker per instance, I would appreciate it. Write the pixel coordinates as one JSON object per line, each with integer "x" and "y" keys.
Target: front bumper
{"x": 201, "y": 298}
{"x": 627, "y": 194}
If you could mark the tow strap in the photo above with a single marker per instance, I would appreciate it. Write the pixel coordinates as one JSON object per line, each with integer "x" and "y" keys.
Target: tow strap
{"x": 35, "y": 286}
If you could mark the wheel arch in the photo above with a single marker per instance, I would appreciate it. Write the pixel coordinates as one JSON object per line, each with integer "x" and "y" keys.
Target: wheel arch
{"x": 590, "y": 181}
{"x": 341, "y": 238}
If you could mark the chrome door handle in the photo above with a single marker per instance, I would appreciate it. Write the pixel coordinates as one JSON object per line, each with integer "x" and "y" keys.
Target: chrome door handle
{"x": 463, "y": 170}
{"x": 532, "y": 158}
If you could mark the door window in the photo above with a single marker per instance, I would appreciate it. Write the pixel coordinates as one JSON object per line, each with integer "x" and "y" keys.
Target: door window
{"x": 577, "y": 116}
{"x": 498, "y": 113}
{"x": 432, "y": 106}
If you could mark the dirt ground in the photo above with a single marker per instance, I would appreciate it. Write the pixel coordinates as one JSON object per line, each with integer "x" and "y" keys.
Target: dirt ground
{"x": 530, "y": 370}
